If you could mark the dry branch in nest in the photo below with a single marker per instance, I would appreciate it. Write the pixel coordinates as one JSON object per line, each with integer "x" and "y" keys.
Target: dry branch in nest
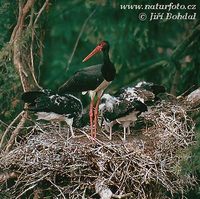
{"x": 147, "y": 165}
{"x": 194, "y": 98}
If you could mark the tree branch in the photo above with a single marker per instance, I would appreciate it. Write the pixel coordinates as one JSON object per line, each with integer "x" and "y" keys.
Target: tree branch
{"x": 26, "y": 81}
{"x": 32, "y": 42}
{"x": 194, "y": 98}
{"x": 79, "y": 36}
{"x": 178, "y": 51}
{"x": 176, "y": 77}
{"x": 122, "y": 196}
{"x": 8, "y": 128}
{"x": 6, "y": 176}
{"x": 16, "y": 131}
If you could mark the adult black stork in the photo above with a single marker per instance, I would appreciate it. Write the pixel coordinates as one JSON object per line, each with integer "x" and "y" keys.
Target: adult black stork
{"x": 122, "y": 111}
{"x": 94, "y": 79}
{"x": 53, "y": 107}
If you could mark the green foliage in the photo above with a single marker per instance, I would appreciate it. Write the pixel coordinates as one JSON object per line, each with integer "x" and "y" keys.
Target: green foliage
{"x": 8, "y": 18}
{"x": 9, "y": 79}
{"x": 10, "y": 87}
{"x": 134, "y": 44}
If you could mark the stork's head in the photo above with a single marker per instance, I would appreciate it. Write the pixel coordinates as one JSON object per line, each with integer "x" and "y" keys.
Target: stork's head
{"x": 102, "y": 46}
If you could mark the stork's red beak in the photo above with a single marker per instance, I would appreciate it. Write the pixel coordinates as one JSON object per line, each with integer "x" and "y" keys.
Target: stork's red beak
{"x": 95, "y": 51}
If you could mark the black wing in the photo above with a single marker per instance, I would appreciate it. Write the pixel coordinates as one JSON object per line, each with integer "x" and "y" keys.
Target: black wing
{"x": 135, "y": 93}
{"x": 123, "y": 108}
{"x": 30, "y": 96}
{"x": 83, "y": 80}
{"x": 65, "y": 105}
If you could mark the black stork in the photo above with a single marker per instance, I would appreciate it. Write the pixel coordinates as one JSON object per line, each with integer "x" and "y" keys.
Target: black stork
{"x": 94, "y": 79}
{"x": 122, "y": 111}
{"x": 53, "y": 107}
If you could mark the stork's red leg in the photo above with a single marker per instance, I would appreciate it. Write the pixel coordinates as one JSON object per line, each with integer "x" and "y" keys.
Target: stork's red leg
{"x": 96, "y": 114}
{"x": 91, "y": 115}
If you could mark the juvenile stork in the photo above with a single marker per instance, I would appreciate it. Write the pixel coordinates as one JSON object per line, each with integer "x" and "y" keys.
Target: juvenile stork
{"x": 54, "y": 107}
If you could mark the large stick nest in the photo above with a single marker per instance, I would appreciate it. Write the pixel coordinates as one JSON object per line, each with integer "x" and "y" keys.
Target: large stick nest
{"x": 148, "y": 165}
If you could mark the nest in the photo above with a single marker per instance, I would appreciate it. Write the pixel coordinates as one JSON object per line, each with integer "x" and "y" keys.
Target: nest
{"x": 148, "y": 165}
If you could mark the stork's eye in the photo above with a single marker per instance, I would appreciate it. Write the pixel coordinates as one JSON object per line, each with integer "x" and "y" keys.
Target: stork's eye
{"x": 103, "y": 44}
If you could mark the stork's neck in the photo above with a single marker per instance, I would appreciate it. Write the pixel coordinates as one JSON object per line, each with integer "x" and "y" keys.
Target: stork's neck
{"x": 106, "y": 58}
{"x": 108, "y": 69}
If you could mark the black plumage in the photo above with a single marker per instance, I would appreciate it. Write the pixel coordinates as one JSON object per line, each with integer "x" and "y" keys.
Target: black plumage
{"x": 125, "y": 112}
{"x": 128, "y": 103}
{"x": 89, "y": 78}
{"x": 54, "y": 107}
{"x": 145, "y": 92}
{"x": 94, "y": 79}
{"x": 83, "y": 80}
{"x": 124, "y": 108}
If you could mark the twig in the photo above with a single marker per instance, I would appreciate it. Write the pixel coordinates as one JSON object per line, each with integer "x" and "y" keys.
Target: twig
{"x": 29, "y": 188}
{"x": 8, "y": 128}
{"x": 5, "y": 176}
{"x": 145, "y": 70}
{"x": 187, "y": 92}
{"x": 176, "y": 77}
{"x": 179, "y": 50}
{"x": 57, "y": 188}
{"x": 41, "y": 10}
{"x": 89, "y": 137}
{"x": 123, "y": 196}
{"x": 16, "y": 131}
{"x": 23, "y": 11}
{"x": 194, "y": 98}
{"x": 79, "y": 36}
{"x": 32, "y": 42}
{"x": 123, "y": 167}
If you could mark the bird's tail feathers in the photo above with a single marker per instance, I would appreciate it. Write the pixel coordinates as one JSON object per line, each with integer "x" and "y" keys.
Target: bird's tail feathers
{"x": 37, "y": 100}
{"x": 31, "y": 96}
